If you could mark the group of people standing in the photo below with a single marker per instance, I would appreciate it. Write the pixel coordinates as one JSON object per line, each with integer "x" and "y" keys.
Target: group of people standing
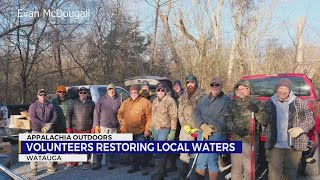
{"x": 185, "y": 115}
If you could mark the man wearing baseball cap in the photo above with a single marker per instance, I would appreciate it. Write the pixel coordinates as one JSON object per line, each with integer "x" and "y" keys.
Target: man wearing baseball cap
{"x": 163, "y": 125}
{"x": 209, "y": 115}
{"x": 80, "y": 117}
{"x": 43, "y": 117}
{"x": 238, "y": 118}
{"x": 106, "y": 121}
{"x": 187, "y": 105}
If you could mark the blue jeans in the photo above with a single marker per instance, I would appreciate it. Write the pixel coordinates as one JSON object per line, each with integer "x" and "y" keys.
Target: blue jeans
{"x": 160, "y": 135}
{"x": 138, "y": 160}
{"x": 210, "y": 160}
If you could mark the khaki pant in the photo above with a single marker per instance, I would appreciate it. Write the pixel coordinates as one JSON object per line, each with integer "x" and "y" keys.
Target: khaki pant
{"x": 283, "y": 164}
{"x": 97, "y": 158}
{"x": 184, "y": 136}
{"x": 34, "y": 165}
{"x": 241, "y": 163}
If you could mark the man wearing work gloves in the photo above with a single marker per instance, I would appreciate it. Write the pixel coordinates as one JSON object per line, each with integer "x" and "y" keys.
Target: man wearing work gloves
{"x": 289, "y": 117}
{"x": 106, "y": 121}
{"x": 187, "y": 103}
{"x": 163, "y": 125}
{"x": 209, "y": 115}
{"x": 43, "y": 117}
{"x": 80, "y": 117}
{"x": 135, "y": 117}
{"x": 238, "y": 117}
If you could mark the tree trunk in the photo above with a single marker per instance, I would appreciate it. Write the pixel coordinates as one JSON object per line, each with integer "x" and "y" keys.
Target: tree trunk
{"x": 299, "y": 51}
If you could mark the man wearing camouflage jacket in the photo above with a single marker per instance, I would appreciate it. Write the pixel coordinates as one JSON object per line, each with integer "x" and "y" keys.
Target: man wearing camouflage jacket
{"x": 238, "y": 117}
{"x": 187, "y": 105}
{"x": 163, "y": 125}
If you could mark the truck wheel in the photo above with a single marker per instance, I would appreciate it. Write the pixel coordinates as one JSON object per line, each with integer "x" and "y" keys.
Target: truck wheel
{"x": 314, "y": 169}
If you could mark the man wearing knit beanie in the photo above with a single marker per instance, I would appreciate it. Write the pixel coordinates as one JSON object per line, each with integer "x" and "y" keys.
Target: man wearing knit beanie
{"x": 290, "y": 120}
{"x": 285, "y": 82}
{"x": 135, "y": 117}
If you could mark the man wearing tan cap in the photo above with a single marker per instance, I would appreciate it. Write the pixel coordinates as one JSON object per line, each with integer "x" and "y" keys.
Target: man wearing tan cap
{"x": 43, "y": 117}
{"x": 106, "y": 121}
{"x": 209, "y": 115}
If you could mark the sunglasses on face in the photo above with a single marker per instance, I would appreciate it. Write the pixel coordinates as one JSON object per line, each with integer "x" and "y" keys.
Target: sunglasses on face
{"x": 61, "y": 92}
{"x": 215, "y": 85}
{"x": 160, "y": 90}
{"x": 82, "y": 92}
{"x": 41, "y": 94}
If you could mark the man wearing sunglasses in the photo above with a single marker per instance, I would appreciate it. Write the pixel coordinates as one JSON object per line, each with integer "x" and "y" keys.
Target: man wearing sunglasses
{"x": 209, "y": 115}
{"x": 106, "y": 121}
{"x": 163, "y": 125}
{"x": 135, "y": 117}
{"x": 61, "y": 103}
{"x": 80, "y": 116}
{"x": 187, "y": 104}
{"x": 43, "y": 117}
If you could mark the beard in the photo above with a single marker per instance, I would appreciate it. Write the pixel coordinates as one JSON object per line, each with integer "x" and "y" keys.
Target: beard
{"x": 145, "y": 92}
{"x": 191, "y": 90}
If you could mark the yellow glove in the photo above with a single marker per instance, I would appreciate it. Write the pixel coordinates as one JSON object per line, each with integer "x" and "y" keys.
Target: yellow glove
{"x": 207, "y": 131}
{"x": 189, "y": 129}
{"x": 295, "y": 132}
{"x": 97, "y": 130}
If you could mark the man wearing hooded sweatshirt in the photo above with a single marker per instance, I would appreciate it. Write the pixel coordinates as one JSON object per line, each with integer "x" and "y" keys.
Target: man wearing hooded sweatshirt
{"x": 176, "y": 94}
{"x": 187, "y": 105}
{"x": 289, "y": 117}
{"x": 145, "y": 91}
{"x": 238, "y": 119}
{"x": 163, "y": 125}
{"x": 106, "y": 121}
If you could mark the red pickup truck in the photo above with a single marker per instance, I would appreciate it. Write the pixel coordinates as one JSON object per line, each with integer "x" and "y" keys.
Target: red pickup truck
{"x": 263, "y": 88}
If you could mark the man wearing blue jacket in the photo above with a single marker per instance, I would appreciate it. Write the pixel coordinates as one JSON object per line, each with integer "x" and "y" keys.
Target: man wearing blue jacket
{"x": 209, "y": 115}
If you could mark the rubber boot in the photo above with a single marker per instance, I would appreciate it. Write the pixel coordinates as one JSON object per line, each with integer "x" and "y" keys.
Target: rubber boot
{"x": 110, "y": 163}
{"x": 161, "y": 169}
{"x": 183, "y": 171}
{"x": 98, "y": 164}
{"x": 172, "y": 162}
{"x": 196, "y": 176}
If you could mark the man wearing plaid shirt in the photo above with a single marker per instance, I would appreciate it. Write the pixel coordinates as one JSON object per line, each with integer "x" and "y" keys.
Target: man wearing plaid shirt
{"x": 290, "y": 120}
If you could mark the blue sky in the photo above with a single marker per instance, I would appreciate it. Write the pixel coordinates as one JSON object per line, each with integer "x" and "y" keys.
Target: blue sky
{"x": 286, "y": 13}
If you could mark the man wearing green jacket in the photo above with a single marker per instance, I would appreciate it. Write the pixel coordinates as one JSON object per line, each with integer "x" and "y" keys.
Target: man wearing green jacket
{"x": 61, "y": 104}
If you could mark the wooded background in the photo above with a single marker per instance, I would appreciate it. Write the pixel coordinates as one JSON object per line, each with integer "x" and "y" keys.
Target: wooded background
{"x": 186, "y": 37}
